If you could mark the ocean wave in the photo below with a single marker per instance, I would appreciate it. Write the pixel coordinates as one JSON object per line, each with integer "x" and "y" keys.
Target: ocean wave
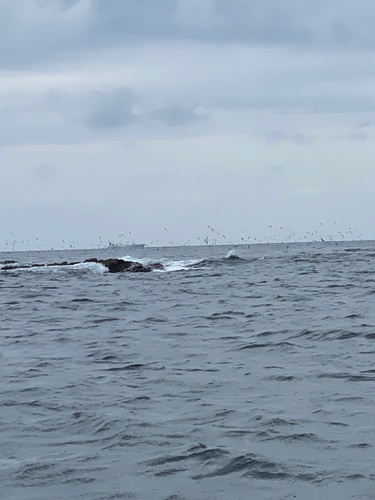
{"x": 98, "y": 266}
{"x": 94, "y": 267}
{"x": 231, "y": 255}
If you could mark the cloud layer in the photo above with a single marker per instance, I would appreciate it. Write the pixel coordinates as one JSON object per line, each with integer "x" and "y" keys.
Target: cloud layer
{"x": 40, "y": 31}
{"x": 186, "y": 113}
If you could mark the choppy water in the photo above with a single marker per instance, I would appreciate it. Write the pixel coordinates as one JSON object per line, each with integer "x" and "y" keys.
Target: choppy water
{"x": 222, "y": 378}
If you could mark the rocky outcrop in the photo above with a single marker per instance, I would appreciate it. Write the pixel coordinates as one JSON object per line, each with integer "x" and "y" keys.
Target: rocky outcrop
{"x": 113, "y": 265}
{"x": 119, "y": 265}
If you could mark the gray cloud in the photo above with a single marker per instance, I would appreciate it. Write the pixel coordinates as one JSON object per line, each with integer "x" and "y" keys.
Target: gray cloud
{"x": 35, "y": 31}
{"x": 364, "y": 125}
{"x": 273, "y": 176}
{"x": 63, "y": 117}
{"x": 357, "y": 136}
{"x": 310, "y": 103}
{"x": 123, "y": 19}
{"x": 112, "y": 109}
{"x": 65, "y": 5}
{"x": 45, "y": 172}
{"x": 323, "y": 24}
{"x": 274, "y": 136}
{"x": 116, "y": 108}
{"x": 312, "y": 23}
{"x": 175, "y": 116}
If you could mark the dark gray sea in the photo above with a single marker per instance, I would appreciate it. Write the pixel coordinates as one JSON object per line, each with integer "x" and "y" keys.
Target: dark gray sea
{"x": 243, "y": 373}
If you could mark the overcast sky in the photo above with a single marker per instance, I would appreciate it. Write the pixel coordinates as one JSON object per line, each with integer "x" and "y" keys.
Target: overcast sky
{"x": 170, "y": 121}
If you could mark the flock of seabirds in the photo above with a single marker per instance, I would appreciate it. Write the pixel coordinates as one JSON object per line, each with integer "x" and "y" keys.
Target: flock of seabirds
{"x": 215, "y": 238}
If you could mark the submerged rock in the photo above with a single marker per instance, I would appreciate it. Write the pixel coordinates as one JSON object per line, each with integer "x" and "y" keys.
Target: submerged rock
{"x": 28, "y": 266}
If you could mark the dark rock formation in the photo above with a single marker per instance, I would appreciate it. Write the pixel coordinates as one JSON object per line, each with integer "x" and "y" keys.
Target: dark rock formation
{"x": 157, "y": 266}
{"x": 118, "y": 265}
{"x": 114, "y": 265}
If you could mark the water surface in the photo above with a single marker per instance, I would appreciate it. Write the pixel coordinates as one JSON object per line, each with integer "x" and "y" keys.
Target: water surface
{"x": 243, "y": 374}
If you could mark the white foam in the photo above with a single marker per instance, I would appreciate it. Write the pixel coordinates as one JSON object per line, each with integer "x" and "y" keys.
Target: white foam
{"x": 145, "y": 261}
{"x": 180, "y": 265}
{"x": 128, "y": 257}
{"x": 95, "y": 267}
{"x": 231, "y": 253}
{"x": 169, "y": 265}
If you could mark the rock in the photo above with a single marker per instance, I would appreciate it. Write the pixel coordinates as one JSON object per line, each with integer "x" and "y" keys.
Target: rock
{"x": 136, "y": 267}
{"x": 117, "y": 265}
{"x": 157, "y": 266}
{"x": 65, "y": 263}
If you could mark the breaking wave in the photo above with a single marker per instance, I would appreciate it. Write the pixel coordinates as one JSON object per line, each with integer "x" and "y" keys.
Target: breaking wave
{"x": 167, "y": 265}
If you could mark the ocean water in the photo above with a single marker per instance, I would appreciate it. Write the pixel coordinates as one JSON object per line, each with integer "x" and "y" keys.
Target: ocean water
{"x": 243, "y": 373}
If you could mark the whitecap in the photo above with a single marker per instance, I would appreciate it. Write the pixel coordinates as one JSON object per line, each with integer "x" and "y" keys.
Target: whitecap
{"x": 180, "y": 265}
{"x": 231, "y": 254}
{"x": 95, "y": 267}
